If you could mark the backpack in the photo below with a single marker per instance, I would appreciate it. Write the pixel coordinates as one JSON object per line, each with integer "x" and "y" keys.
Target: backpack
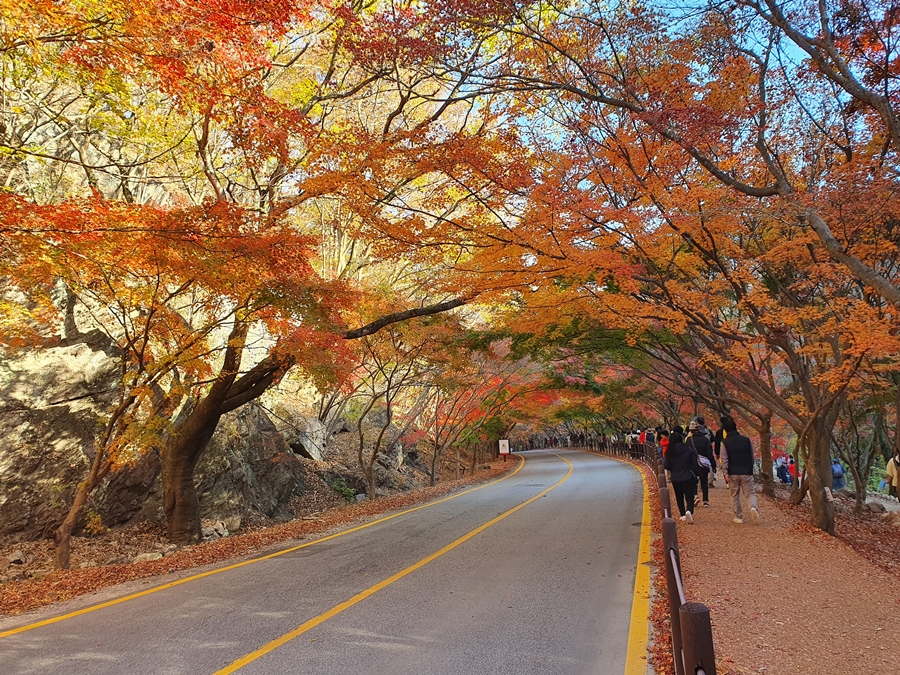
{"x": 837, "y": 471}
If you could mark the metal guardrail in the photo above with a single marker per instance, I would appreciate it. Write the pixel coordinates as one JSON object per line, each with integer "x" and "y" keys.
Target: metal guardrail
{"x": 692, "y": 643}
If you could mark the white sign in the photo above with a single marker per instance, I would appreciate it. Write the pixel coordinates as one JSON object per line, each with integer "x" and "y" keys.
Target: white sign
{"x": 504, "y": 447}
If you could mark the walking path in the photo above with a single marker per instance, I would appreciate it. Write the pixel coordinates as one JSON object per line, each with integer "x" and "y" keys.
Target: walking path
{"x": 786, "y": 598}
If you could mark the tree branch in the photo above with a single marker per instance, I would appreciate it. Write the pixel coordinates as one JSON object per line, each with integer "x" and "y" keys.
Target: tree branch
{"x": 396, "y": 317}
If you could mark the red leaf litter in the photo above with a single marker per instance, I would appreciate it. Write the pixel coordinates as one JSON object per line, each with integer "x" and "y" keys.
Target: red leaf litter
{"x": 787, "y": 598}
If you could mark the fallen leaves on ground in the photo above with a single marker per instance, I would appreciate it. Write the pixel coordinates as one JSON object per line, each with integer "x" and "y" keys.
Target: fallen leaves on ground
{"x": 785, "y": 597}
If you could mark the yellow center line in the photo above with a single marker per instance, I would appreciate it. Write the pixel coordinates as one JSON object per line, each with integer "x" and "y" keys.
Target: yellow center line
{"x": 156, "y": 589}
{"x": 359, "y": 597}
{"x": 639, "y": 631}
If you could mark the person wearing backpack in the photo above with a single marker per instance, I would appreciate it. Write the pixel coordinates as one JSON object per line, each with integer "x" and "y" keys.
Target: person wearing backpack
{"x": 682, "y": 464}
{"x": 837, "y": 474}
{"x": 699, "y": 441}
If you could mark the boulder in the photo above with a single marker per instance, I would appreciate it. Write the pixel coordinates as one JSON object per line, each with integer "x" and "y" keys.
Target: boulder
{"x": 247, "y": 467}
{"x": 875, "y": 507}
{"x": 127, "y": 496}
{"x": 305, "y": 435}
{"x": 51, "y": 404}
{"x": 147, "y": 557}
{"x": 393, "y": 458}
{"x": 846, "y": 493}
{"x": 340, "y": 425}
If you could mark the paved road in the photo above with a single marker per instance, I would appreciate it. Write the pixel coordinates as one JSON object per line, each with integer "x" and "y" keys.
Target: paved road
{"x": 530, "y": 575}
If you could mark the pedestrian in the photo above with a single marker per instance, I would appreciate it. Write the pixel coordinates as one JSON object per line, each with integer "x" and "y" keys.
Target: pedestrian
{"x": 783, "y": 474}
{"x": 737, "y": 467}
{"x": 703, "y": 429}
{"x": 699, "y": 441}
{"x": 683, "y": 466}
{"x": 892, "y": 472}
{"x": 650, "y": 437}
{"x": 719, "y": 435}
{"x": 837, "y": 474}
{"x": 663, "y": 442}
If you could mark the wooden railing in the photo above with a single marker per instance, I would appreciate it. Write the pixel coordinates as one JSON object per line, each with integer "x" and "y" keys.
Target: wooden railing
{"x": 692, "y": 642}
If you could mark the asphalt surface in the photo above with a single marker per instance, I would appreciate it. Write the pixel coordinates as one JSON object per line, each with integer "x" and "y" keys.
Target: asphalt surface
{"x": 545, "y": 589}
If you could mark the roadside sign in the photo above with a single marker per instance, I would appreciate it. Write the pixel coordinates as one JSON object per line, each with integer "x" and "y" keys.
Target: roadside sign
{"x": 504, "y": 446}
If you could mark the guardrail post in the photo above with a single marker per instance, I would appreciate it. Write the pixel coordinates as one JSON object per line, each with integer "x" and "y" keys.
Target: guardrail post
{"x": 696, "y": 636}
{"x": 665, "y": 501}
{"x": 670, "y": 543}
{"x": 661, "y": 477}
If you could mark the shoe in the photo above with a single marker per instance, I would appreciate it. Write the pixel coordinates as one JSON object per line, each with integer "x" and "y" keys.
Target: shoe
{"x": 683, "y": 518}
{"x": 689, "y": 517}
{"x": 696, "y": 502}
{"x": 739, "y": 521}
{"x": 754, "y": 516}
{"x": 705, "y": 503}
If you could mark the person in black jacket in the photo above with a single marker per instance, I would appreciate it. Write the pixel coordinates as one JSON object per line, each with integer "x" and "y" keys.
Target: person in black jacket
{"x": 719, "y": 435}
{"x": 699, "y": 441}
{"x": 681, "y": 462}
{"x": 737, "y": 465}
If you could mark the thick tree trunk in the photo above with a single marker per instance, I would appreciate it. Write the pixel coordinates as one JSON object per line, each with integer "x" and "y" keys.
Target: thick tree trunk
{"x": 818, "y": 468}
{"x": 178, "y": 459}
{"x": 765, "y": 454}
{"x": 180, "y": 501}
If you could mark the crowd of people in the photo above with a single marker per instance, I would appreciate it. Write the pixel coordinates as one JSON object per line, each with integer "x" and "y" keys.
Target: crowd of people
{"x": 694, "y": 457}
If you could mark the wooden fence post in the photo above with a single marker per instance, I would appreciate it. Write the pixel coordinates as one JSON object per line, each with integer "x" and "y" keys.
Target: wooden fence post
{"x": 665, "y": 501}
{"x": 696, "y": 636}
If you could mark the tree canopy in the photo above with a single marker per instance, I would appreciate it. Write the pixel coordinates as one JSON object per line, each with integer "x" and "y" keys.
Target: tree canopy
{"x": 647, "y": 205}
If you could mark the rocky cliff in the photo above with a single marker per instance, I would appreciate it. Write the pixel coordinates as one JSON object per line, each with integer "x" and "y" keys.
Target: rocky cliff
{"x": 52, "y": 403}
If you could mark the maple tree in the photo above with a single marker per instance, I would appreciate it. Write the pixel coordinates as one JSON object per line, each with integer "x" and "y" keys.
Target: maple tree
{"x": 692, "y": 174}
{"x": 705, "y": 197}
{"x": 487, "y": 386}
{"x": 207, "y": 141}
